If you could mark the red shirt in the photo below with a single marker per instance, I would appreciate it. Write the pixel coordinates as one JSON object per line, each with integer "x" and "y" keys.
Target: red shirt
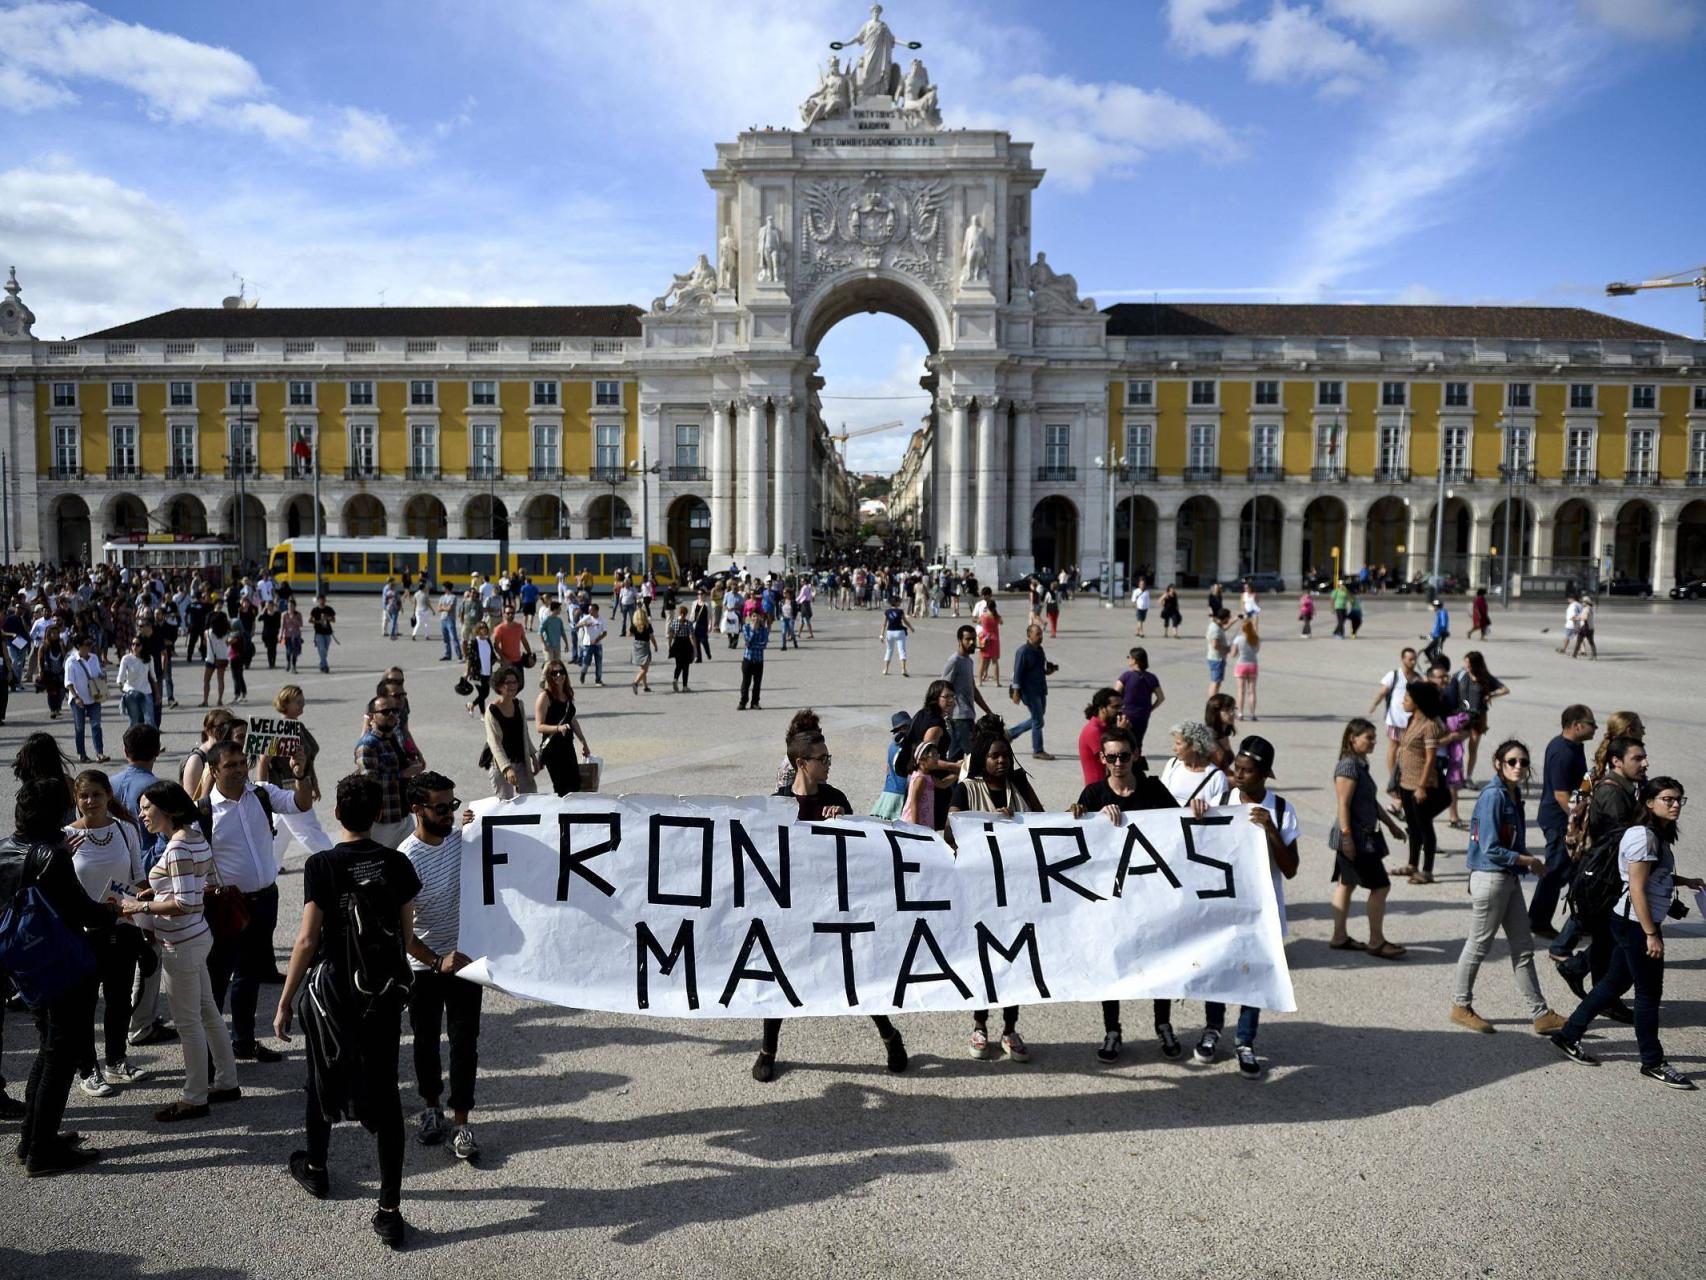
{"x": 1090, "y": 751}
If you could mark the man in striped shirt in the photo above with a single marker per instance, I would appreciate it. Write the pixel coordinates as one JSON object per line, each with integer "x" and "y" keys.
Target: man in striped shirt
{"x": 438, "y": 998}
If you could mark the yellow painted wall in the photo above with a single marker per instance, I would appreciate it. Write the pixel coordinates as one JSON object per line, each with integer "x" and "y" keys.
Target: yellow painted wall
{"x": 577, "y": 427}
{"x": 515, "y": 435}
{"x": 1673, "y": 431}
{"x": 1361, "y": 398}
{"x": 1116, "y": 417}
{"x": 153, "y": 449}
{"x": 1170, "y": 437}
{"x": 1425, "y": 399}
{"x": 1486, "y": 445}
{"x": 392, "y": 400}
{"x": 210, "y": 400}
{"x": 1236, "y": 395}
{"x": 333, "y": 398}
{"x": 631, "y": 415}
{"x": 1613, "y": 459}
{"x": 1551, "y": 399}
{"x": 1298, "y": 400}
{"x": 271, "y": 446}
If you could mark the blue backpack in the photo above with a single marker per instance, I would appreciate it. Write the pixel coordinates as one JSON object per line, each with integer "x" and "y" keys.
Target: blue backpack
{"x": 44, "y": 956}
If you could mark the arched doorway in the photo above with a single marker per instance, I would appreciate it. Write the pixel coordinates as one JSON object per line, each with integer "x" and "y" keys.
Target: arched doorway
{"x": 184, "y": 515}
{"x": 248, "y": 530}
{"x": 1196, "y": 542}
{"x": 1054, "y": 534}
{"x": 1633, "y": 557}
{"x": 1135, "y": 544}
{"x": 1572, "y": 541}
{"x": 72, "y": 531}
{"x": 689, "y": 532}
{"x": 424, "y": 517}
{"x": 364, "y": 517}
{"x": 1454, "y": 547}
{"x": 1521, "y": 539}
{"x": 544, "y": 517}
{"x": 299, "y": 518}
{"x": 609, "y": 517}
{"x": 1691, "y": 543}
{"x": 485, "y": 516}
{"x": 1260, "y": 527}
{"x": 1323, "y": 534}
{"x": 126, "y": 515}
{"x": 1388, "y": 529}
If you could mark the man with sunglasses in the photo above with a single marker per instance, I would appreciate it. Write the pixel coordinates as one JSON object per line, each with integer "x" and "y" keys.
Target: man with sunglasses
{"x": 1498, "y": 855}
{"x": 437, "y": 998}
{"x": 388, "y": 755}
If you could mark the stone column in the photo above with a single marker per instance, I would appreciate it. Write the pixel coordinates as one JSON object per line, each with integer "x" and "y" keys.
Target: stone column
{"x": 991, "y": 477}
{"x": 1226, "y": 557}
{"x": 1356, "y": 540}
{"x": 722, "y": 485}
{"x": 788, "y": 477}
{"x": 1662, "y": 572}
{"x": 957, "y": 474}
{"x": 1480, "y": 540}
{"x": 1024, "y": 432}
{"x": 1540, "y": 558}
{"x": 756, "y": 530}
{"x": 1291, "y": 549}
{"x": 1418, "y": 551}
{"x": 1166, "y": 548}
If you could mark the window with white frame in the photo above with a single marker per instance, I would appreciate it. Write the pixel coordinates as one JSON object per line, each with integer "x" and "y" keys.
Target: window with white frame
{"x": 1327, "y": 446}
{"x": 1581, "y": 395}
{"x": 67, "y": 449}
{"x": 1394, "y": 395}
{"x": 545, "y": 394}
{"x": 1700, "y": 399}
{"x": 423, "y": 446}
{"x": 483, "y": 393}
{"x": 1454, "y": 450}
{"x": 241, "y": 451}
{"x": 183, "y": 460}
{"x": 687, "y": 445}
{"x": 1140, "y": 445}
{"x": 121, "y": 395}
{"x": 545, "y": 445}
{"x": 1201, "y": 450}
{"x": 1457, "y": 395}
{"x": 607, "y": 456}
{"x": 1330, "y": 393}
{"x": 301, "y": 394}
{"x": 423, "y": 392}
{"x": 1265, "y": 447}
{"x": 483, "y": 447}
{"x": 181, "y": 395}
{"x": 607, "y": 393}
{"x": 361, "y": 393}
{"x": 240, "y": 395}
{"x": 1391, "y": 444}
{"x": 1578, "y": 452}
{"x": 1141, "y": 395}
{"x": 363, "y": 448}
{"x": 1519, "y": 444}
{"x": 124, "y": 448}
{"x": 1519, "y": 395}
{"x": 1643, "y": 395}
{"x": 1641, "y": 453}
{"x": 1203, "y": 392}
{"x": 65, "y": 395}
{"x": 1268, "y": 392}
{"x": 300, "y": 433}
{"x": 1057, "y": 447}
{"x": 1697, "y": 452}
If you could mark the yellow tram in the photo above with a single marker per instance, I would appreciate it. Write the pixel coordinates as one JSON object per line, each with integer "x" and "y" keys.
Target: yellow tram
{"x": 356, "y": 564}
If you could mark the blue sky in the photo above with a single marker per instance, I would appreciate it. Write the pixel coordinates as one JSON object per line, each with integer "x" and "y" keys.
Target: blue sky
{"x": 1521, "y": 151}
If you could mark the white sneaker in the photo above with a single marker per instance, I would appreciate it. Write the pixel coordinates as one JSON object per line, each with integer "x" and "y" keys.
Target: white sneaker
{"x": 122, "y": 1073}
{"x": 94, "y": 1086}
{"x": 463, "y": 1146}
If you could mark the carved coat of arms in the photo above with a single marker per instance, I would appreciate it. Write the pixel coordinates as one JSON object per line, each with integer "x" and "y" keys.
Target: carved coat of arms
{"x": 847, "y": 225}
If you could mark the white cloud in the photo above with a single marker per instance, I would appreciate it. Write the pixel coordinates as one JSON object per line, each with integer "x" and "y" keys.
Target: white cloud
{"x": 1289, "y": 44}
{"x": 273, "y": 122}
{"x": 1645, "y": 19}
{"x": 368, "y": 138}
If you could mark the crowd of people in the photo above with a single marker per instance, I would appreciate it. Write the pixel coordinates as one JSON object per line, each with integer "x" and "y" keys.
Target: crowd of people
{"x": 157, "y": 896}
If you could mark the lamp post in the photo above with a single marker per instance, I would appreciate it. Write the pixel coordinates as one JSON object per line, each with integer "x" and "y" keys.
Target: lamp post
{"x": 643, "y": 468}
{"x": 1108, "y": 464}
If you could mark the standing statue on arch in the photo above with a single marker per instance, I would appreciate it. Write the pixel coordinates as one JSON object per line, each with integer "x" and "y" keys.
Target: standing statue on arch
{"x": 876, "y": 75}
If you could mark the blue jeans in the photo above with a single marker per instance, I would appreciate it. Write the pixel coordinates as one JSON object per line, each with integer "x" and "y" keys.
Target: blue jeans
{"x": 92, "y": 714}
{"x": 1214, "y": 1013}
{"x": 593, "y": 655}
{"x": 323, "y": 646}
{"x": 391, "y": 623}
{"x": 1552, "y": 881}
{"x": 1035, "y": 704}
{"x": 959, "y": 737}
{"x": 1630, "y": 966}
{"x": 452, "y": 645}
{"x": 138, "y": 707}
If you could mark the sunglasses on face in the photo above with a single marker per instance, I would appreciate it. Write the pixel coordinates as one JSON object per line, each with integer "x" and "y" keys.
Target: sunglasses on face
{"x": 1516, "y": 762}
{"x": 1116, "y": 757}
{"x": 449, "y": 806}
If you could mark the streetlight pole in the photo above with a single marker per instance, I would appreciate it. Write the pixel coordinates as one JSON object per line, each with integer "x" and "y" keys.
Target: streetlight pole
{"x": 1108, "y": 464}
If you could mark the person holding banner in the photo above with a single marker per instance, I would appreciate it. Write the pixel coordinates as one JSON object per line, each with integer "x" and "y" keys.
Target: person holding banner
{"x": 817, "y": 801}
{"x": 301, "y": 824}
{"x": 1195, "y": 781}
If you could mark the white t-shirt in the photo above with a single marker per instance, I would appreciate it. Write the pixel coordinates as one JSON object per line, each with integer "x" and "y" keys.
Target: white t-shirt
{"x": 1393, "y": 682}
{"x": 592, "y": 629}
{"x": 1208, "y": 785}
{"x": 1572, "y": 613}
{"x": 1140, "y": 598}
{"x": 1286, "y": 824}
{"x": 979, "y": 609}
{"x": 98, "y": 865}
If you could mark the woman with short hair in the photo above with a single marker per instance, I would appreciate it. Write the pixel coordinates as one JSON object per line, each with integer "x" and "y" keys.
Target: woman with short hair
{"x": 1192, "y": 776}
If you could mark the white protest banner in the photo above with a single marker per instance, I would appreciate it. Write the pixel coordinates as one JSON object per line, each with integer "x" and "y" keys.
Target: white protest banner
{"x": 270, "y": 736}
{"x": 713, "y": 907}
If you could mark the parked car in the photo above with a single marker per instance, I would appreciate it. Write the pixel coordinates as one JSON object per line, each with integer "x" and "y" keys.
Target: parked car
{"x": 1263, "y": 582}
{"x": 1695, "y": 590}
{"x": 1629, "y": 587}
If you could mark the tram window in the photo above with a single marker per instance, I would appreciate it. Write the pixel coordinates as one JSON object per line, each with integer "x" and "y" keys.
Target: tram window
{"x": 406, "y": 561}
{"x": 379, "y": 562}
{"x": 348, "y": 562}
{"x": 304, "y": 561}
{"x": 530, "y": 562}
{"x": 629, "y": 562}
{"x": 660, "y": 565}
{"x": 558, "y": 562}
{"x": 281, "y": 562}
{"x": 586, "y": 564}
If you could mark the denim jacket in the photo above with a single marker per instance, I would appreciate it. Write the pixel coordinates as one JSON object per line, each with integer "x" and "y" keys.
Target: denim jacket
{"x": 1498, "y": 833}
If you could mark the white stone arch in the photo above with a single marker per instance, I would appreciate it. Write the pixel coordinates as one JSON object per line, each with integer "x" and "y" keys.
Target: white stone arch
{"x": 110, "y": 509}
{"x": 875, "y": 289}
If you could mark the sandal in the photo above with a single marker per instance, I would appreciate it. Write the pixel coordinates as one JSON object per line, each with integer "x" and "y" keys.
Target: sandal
{"x": 1457, "y": 824}
{"x": 1408, "y": 869}
{"x": 1349, "y": 944}
{"x": 1386, "y": 951}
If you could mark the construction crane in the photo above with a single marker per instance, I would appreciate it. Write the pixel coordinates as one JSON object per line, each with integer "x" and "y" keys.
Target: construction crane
{"x": 844, "y": 435}
{"x": 1693, "y": 277}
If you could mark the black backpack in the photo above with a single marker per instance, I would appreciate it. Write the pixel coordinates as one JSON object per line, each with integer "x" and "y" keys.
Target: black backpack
{"x": 372, "y": 958}
{"x": 1597, "y": 884}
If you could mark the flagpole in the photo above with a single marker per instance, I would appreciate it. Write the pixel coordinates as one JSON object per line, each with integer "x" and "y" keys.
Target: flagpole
{"x": 319, "y": 522}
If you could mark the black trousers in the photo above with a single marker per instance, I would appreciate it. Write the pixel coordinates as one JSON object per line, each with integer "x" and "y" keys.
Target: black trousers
{"x": 1111, "y": 1014}
{"x": 115, "y": 973}
{"x": 438, "y": 1001}
{"x": 751, "y": 681}
{"x": 773, "y": 1031}
{"x": 243, "y": 962}
{"x": 1419, "y": 818}
{"x": 60, "y": 1026}
{"x": 377, "y": 1045}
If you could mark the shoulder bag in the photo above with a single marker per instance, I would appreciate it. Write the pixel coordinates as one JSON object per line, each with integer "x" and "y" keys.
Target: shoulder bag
{"x": 223, "y": 906}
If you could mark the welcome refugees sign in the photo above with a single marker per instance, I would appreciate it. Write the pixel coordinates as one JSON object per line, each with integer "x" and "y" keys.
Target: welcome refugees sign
{"x": 712, "y": 907}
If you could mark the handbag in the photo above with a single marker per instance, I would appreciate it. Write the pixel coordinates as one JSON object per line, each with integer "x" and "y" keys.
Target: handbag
{"x": 591, "y": 767}
{"x": 529, "y": 658}
{"x": 465, "y": 687}
{"x": 97, "y": 684}
{"x": 224, "y": 908}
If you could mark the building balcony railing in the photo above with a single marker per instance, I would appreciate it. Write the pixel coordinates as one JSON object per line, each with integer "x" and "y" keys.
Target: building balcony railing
{"x": 1581, "y": 475}
{"x": 1202, "y": 475}
{"x": 689, "y": 473}
{"x": 1392, "y": 475}
{"x": 1330, "y": 474}
{"x": 65, "y": 473}
{"x": 1264, "y": 472}
{"x": 423, "y": 472}
{"x": 1136, "y": 474}
{"x": 1457, "y": 475}
{"x": 1695, "y": 477}
{"x": 1645, "y": 475}
{"x": 300, "y": 469}
{"x": 1057, "y": 475}
{"x": 124, "y": 471}
{"x": 183, "y": 471}
{"x": 485, "y": 471}
{"x": 544, "y": 473}
{"x": 362, "y": 471}
{"x": 606, "y": 475}
{"x": 1521, "y": 472}
{"x": 248, "y": 470}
